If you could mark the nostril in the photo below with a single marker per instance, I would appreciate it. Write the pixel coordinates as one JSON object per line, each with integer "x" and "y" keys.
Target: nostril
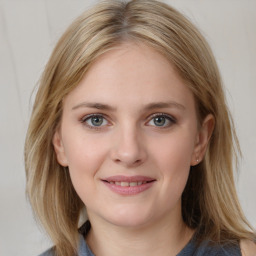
{"x": 128, "y": 156}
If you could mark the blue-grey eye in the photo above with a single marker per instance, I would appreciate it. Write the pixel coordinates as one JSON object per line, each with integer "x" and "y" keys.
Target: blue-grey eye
{"x": 161, "y": 121}
{"x": 96, "y": 121}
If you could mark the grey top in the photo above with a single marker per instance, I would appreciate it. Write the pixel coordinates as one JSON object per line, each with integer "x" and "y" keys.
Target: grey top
{"x": 191, "y": 249}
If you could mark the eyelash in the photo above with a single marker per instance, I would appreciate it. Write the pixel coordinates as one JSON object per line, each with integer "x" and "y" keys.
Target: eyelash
{"x": 169, "y": 118}
{"x": 88, "y": 117}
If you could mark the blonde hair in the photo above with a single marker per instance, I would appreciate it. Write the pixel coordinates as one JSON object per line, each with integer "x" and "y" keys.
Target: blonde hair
{"x": 209, "y": 201}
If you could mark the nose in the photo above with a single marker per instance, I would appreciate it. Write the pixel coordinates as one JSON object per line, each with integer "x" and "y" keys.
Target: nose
{"x": 128, "y": 148}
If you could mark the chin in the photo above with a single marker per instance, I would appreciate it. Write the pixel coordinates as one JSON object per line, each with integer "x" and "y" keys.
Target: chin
{"x": 129, "y": 222}
{"x": 129, "y": 218}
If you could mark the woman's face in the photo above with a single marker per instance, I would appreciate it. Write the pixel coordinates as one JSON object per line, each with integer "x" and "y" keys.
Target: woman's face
{"x": 129, "y": 135}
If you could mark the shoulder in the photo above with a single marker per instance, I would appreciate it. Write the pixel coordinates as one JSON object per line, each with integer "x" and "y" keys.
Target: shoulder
{"x": 229, "y": 249}
{"x": 209, "y": 248}
{"x": 248, "y": 248}
{"x": 83, "y": 249}
{"x": 215, "y": 249}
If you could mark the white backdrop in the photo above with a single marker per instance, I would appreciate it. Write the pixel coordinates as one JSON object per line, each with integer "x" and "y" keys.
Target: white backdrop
{"x": 29, "y": 30}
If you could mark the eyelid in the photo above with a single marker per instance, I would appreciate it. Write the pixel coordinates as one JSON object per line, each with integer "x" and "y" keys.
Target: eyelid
{"x": 86, "y": 117}
{"x": 168, "y": 116}
{"x": 149, "y": 118}
{"x": 162, "y": 114}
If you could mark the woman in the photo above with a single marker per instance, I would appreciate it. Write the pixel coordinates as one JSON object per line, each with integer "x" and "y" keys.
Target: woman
{"x": 130, "y": 121}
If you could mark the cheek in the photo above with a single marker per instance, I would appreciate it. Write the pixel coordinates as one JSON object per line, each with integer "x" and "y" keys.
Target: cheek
{"x": 85, "y": 157}
{"x": 173, "y": 157}
{"x": 174, "y": 151}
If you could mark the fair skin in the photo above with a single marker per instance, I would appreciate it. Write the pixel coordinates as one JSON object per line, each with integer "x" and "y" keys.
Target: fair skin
{"x": 248, "y": 248}
{"x": 129, "y": 134}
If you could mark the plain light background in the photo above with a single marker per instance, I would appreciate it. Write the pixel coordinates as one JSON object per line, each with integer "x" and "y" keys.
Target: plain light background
{"x": 29, "y": 30}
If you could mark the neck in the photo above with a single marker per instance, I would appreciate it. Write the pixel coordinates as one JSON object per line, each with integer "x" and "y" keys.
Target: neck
{"x": 166, "y": 237}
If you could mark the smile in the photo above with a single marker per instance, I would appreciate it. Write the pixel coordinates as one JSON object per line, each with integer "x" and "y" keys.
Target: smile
{"x": 128, "y": 184}
{"x": 133, "y": 185}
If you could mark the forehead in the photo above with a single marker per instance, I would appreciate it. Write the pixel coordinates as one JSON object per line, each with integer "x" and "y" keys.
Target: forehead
{"x": 130, "y": 61}
{"x": 131, "y": 74}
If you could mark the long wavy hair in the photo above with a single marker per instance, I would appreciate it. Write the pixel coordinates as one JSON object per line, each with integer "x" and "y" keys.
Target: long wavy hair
{"x": 209, "y": 201}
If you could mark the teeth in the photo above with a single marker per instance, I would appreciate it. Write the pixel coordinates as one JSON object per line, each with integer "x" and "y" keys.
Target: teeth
{"x": 124, "y": 184}
{"x": 127, "y": 184}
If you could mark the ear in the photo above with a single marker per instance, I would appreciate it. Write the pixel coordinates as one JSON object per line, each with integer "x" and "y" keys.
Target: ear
{"x": 202, "y": 139}
{"x": 59, "y": 148}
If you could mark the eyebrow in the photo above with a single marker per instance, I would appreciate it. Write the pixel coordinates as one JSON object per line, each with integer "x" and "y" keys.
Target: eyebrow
{"x": 150, "y": 106}
{"x": 170, "y": 104}
{"x": 94, "y": 105}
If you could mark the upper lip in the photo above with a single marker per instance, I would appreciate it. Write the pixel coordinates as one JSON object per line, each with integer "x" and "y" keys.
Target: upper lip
{"x": 120, "y": 178}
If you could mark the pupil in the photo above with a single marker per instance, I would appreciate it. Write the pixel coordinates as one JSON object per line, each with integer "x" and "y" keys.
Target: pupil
{"x": 97, "y": 121}
{"x": 159, "y": 121}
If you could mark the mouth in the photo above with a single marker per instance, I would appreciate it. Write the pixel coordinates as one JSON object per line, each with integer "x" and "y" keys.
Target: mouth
{"x": 128, "y": 185}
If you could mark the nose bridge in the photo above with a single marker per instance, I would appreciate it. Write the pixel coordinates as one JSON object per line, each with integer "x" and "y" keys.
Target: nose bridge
{"x": 128, "y": 146}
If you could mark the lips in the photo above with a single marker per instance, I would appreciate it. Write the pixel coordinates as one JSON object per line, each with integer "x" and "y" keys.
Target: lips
{"x": 128, "y": 185}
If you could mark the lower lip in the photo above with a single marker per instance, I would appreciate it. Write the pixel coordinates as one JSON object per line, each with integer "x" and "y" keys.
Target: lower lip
{"x": 129, "y": 190}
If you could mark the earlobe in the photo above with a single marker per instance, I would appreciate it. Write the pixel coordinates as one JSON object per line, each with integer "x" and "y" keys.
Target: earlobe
{"x": 202, "y": 140}
{"x": 59, "y": 149}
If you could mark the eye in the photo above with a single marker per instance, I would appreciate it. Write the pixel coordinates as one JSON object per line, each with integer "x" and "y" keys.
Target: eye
{"x": 94, "y": 121}
{"x": 161, "y": 120}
